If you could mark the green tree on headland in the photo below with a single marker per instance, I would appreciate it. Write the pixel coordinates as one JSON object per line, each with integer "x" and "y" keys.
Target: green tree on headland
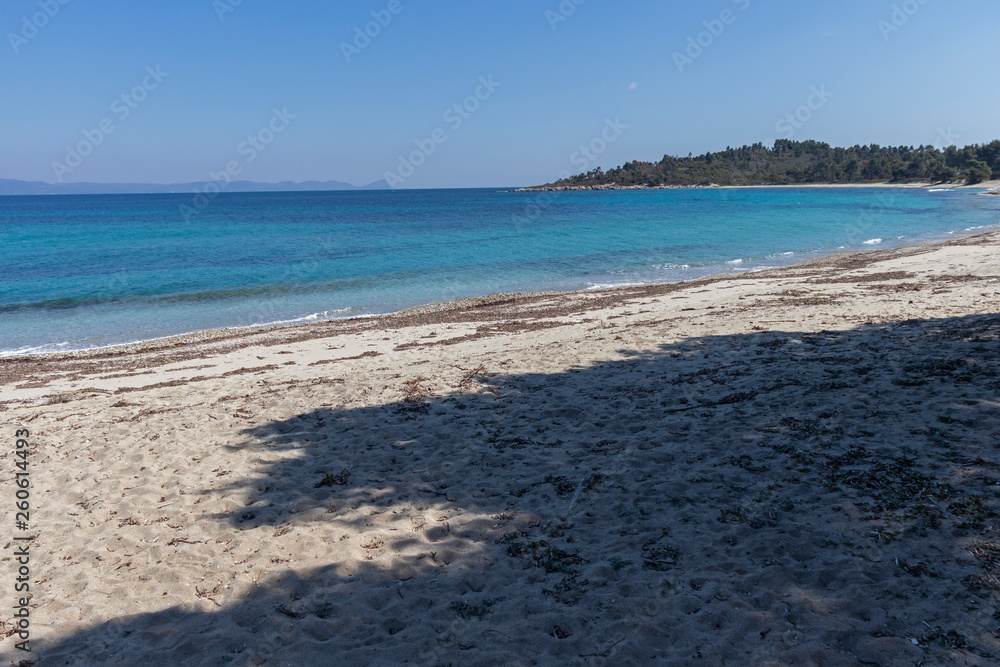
{"x": 801, "y": 162}
{"x": 977, "y": 171}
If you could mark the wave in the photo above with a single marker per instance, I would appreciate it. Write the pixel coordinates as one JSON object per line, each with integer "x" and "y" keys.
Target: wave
{"x": 48, "y": 348}
{"x": 670, "y": 267}
{"x": 88, "y": 344}
{"x": 312, "y": 317}
{"x": 872, "y": 241}
{"x": 598, "y": 286}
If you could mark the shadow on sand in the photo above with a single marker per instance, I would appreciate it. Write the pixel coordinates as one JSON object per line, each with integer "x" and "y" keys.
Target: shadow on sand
{"x": 771, "y": 498}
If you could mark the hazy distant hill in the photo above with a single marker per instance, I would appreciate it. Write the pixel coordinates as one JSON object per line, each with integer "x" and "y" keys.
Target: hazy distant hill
{"x": 14, "y": 187}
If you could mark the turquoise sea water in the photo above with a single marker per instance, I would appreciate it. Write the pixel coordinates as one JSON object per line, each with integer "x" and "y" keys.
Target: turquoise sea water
{"x": 86, "y": 271}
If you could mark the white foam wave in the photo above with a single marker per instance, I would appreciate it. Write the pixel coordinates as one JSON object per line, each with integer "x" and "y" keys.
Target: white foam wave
{"x": 598, "y": 286}
{"x": 307, "y": 318}
{"x": 48, "y": 348}
{"x": 67, "y": 346}
{"x": 873, "y": 241}
{"x": 662, "y": 267}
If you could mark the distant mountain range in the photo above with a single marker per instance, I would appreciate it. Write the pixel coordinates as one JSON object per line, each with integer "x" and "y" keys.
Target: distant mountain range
{"x": 13, "y": 187}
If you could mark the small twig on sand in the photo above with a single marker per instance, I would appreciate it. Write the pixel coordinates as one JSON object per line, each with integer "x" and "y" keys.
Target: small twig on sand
{"x": 604, "y": 653}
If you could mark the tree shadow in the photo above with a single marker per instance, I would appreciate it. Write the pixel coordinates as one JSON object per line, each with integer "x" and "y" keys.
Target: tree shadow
{"x": 765, "y": 498}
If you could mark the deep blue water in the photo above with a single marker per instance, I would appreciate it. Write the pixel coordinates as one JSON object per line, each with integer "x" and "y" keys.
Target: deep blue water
{"x": 85, "y": 271}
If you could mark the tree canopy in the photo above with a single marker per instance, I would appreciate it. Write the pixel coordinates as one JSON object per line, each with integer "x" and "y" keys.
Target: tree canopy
{"x": 794, "y": 162}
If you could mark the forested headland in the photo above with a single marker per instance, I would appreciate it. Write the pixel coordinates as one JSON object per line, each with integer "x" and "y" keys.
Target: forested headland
{"x": 804, "y": 162}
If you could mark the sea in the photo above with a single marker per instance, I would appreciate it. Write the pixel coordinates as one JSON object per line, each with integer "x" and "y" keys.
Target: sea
{"x": 97, "y": 270}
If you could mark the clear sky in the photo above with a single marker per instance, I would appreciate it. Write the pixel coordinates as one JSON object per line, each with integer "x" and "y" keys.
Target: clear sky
{"x": 913, "y": 72}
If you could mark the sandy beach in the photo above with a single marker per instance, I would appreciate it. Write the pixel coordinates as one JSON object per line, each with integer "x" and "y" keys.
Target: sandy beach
{"x": 798, "y": 466}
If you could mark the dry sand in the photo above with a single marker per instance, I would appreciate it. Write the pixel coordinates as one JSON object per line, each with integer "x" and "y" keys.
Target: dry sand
{"x": 792, "y": 467}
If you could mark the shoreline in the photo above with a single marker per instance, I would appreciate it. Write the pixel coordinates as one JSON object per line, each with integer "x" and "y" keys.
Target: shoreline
{"x": 482, "y": 310}
{"x": 68, "y": 344}
{"x": 992, "y": 187}
{"x": 417, "y": 312}
{"x": 790, "y": 466}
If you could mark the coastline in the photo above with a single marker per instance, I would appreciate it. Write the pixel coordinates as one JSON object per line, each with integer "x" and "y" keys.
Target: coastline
{"x": 793, "y": 465}
{"x": 464, "y": 312}
{"x": 42, "y": 326}
{"x": 992, "y": 186}
{"x": 415, "y": 312}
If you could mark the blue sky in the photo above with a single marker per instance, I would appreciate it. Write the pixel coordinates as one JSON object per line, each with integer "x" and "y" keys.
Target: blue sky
{"x": 887, "y": 72}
